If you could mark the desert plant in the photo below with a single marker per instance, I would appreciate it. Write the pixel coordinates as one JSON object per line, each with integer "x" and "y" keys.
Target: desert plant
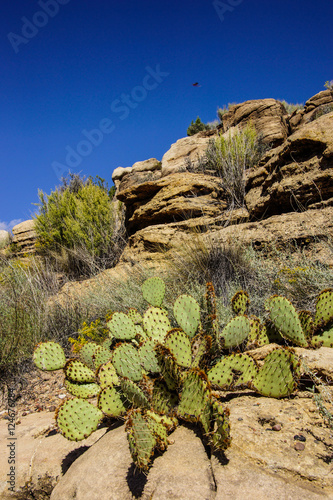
{"x": 321, "y": 110}
{"x": 155, "y": 375}
{"x": 329, "y": 85}
{"x": 79, "y": 226}
{"x": 290, "y": 108}
{"x": 229, "y": 156}
{"x": 197, "y": 126}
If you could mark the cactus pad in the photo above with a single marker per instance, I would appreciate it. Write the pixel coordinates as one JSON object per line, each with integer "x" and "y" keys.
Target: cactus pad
{"x": 219, "y": 437}
{"x": 169, "y": 368}
{"x": 49, "y": 356}
{"x": 82, "y": 390}
{"x": 121, "y": 327}
{"x": 233, "y": 371}
{"x": 102, "y": 355}
{"x": 187, "y": 314}
{"x": 156, "y": 323}
{"x": 201, "y": 345}
{"x": 285, "y": 318}
{"x": 153, "y": 290}
{"x": 235, "y": 332}
{"x": 126, "y": 360}
{"x": 135, "y": 316}
{"x": 240, "y": 302}
{"x": 180, "y": 346}
{"x": 112, "y": 402}
{"x": 306, "y": 320}
{"x": 140, "y": 438}
{"x": 324, "y": 308}
{"x": 133, "y": 394}
{"x": 195, "y": 396}
{"x": 76, "y": 371}
{"x": 324, "y": 339}
{"x": 148, "y": 356}
{"x": 278, "y": 377}
{"x": 77, "y": 419}
{"x": 162, "y": 398}
{"x": 86, "y": 354}
{"x": 107, "y": 375}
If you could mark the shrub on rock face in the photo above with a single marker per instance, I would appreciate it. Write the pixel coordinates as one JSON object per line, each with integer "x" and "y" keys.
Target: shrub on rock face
{"x": 78, "y": 222}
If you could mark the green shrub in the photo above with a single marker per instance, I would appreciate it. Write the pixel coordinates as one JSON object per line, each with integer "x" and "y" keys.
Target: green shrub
{"x": 329, "y": 85}
{"x": 230, "y": 156}
{"x": 197, "y": 126}
{"x": 290, "y": 108}
{"x": 77, "y": 225}
{"x": 321, "y": 110}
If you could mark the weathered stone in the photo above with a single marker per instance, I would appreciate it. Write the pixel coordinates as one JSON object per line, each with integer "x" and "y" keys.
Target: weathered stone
{"x": 319, "y": 103}
{"x": 118, "y": 174}
{"x": 184, "y": 150}
{"x": 182, "y": 472}
{"x": 101, "y": 473}
{"x": 24, "y": 237}
{"x": 267, "y": 116}
{"x": 296, "y": 175}
{"x": 40, "y": 450}
{"x": 175, "y": 197}
{"x": 147, "y": 165}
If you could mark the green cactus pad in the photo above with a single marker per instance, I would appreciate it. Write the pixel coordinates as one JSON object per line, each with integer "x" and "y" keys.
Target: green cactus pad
{"x": 107, "y": 375}
{"x": 169, "y": 368}
{"x": 112, "y": 402}
{"x": 163, "y": 400}
{"x": 153, "y": 290}
{"x": 148, "y": 356}
{"x": 324, "y": 308}
{"x": 127, "y": 362}
{"x": 49, "y": 356}
{"x": 219, "y": 437}
{"x": 121, "y": 327}
{"x": 102, "y": 355}
{"x": 278, "y": 377}
{"x": 133, "y": 394}
{"x": 187, "y": 313}
{"x": 156, "y": 323}
{"x": 235, "y": 332}
{"x": 324, "y": 339}
{"x": 285, "y": 318}
{"x": 140, "y": 438}
{"x": 195, "y": 396}
{"x": 82, "y": 390}
{"x": 306, "y": 320}
{"x": 254, "y": 330}
{"x": 180, "y": 346}
{"x": 76, "y": 371}
{"x": 200, "y": 346}
{"x": 77, "y": 419}
{"x": 86, "y": 354}
{"x": 135, "y": 316}
{"x": 240, "y": 302}
{"x": 233, "y": 371}
{"x": 170, "y": 423}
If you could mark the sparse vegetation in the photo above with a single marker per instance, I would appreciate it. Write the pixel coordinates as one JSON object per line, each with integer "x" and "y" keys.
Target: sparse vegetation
{"x": 197, "y": 126}
{"x": 290, "y": 108}
{"x": 322, "y": 110}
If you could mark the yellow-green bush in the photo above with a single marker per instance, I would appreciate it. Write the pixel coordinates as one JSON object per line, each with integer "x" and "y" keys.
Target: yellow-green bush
{"x": 79, "y": 223}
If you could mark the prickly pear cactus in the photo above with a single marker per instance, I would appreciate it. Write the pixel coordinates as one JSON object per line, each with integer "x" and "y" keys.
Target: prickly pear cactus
{"x": 153, "y": 290}
{"x": 77, "y": 419}
{"x": 285, "y": 318}
{"x": 187, "y": 314}
{"x": 240, "y": 302}
{"x": 324, "y": 308}
{"x": 127, "y": 362}
{"x": 233, "y": 372}
{"x": 278, "y": 377}
{"x": 235, "y": 332}
{"x": 121, "y": 327}
{"x": 49, "y": 356}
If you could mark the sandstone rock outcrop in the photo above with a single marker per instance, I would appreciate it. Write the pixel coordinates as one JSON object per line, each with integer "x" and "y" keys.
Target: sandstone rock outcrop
{"x": 24, "y": 237}
{"x": 267, "y": 116}
{"x": 320, "y": 103}
{"x": 296, "y": 175}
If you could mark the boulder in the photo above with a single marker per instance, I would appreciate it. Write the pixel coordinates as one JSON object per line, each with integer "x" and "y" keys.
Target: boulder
{"x": 41, "y": 452}
{"x": 118, "y": 174}
{"x": 296, "y": 175}
{"x": 185, "y": 151}
{"x": 140, "y": 172}
{"x": 267, "y": 116}
{"x": 24, "y": 237}
{"x": 176, "y": 197}
{"x": 319, "y": 104}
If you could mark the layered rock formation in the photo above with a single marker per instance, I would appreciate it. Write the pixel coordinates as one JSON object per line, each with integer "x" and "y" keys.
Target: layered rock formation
{"x": 24, "y": 238}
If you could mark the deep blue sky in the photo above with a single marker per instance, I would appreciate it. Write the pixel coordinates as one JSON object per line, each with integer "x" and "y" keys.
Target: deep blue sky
{"x": 65, "y": 77}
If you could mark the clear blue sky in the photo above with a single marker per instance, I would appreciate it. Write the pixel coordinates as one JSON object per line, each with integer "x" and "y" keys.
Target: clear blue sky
{"x": 127, "y": 68}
